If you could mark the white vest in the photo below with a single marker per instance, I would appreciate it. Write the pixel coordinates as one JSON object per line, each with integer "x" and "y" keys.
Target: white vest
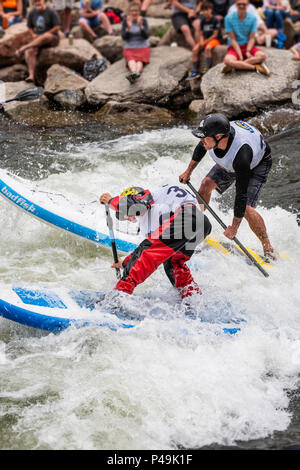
{"x": 244, "y": 134}
{"x": 166, "y": 199}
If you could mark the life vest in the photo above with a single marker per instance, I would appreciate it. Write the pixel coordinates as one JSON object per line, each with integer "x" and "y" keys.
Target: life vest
{"x": 9, "y": 4}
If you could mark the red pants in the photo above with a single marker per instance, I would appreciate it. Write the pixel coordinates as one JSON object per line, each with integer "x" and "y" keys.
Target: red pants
{"x": 172, "y": 252}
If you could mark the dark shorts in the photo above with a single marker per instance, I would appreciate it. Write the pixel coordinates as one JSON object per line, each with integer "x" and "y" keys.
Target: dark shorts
{"x": 92, "y": 22}
{"x": 258, "y": 178}
{"x": 180, "y": 19}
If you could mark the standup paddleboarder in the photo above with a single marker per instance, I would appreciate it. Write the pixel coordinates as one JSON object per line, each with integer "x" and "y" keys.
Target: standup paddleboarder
{"x": 241, "y": 155}
{"x": 173, "y": 224}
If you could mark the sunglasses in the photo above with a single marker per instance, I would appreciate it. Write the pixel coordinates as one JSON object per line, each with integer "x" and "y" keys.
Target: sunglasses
{"x": 241, "y": 4}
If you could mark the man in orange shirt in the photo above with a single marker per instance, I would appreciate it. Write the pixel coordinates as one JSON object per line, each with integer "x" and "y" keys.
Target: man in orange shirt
{"x": 210, "y": 35}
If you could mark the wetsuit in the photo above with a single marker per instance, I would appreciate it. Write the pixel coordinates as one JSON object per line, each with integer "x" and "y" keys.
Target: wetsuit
{"x": 173, "y": 225}
{"x": 248, "y": 165}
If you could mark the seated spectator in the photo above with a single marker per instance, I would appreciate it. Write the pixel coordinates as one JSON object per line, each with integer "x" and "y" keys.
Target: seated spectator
{"x": 10, "y": 13}
{"x": 221, "y": 9}
{"x": 296, "y": 51}
{"x": 210, "y": 33}
{"x": 262, "y": 29}
{"x": 135, "y": 33}
{"x": 275, "y": 11}
{"x": 91, "y": 16}
{"x": 44, "y": 25}
{"x": 185, "y": 19}
{"x": 64, "y": 10}
{"x": 144, "y": 4}
{"x": 242, "y": 54}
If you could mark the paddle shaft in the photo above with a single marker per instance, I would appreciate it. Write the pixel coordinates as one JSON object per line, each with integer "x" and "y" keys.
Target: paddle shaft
{"x": 261, "y": 269}
{"x": 109, "y": 222}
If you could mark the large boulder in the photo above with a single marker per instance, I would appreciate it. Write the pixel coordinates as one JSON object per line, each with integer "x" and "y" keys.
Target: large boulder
{"x": 241, "y": 92}
{"x": 72, "y": 56}
{"x": 15, "y": 36}
{"x": 65, "y": 86}
{"x": 110, "y": 47}
{"x": 161, "y": 81}
{"x": 13, "y": 73}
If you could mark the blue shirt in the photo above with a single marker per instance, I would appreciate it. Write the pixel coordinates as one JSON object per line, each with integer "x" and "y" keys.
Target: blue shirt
{"x": 241, "y": 29}
{"x": 94, "y": 4}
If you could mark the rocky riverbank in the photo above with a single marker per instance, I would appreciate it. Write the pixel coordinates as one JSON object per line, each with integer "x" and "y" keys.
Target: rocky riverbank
{"x": 160, "y": 92}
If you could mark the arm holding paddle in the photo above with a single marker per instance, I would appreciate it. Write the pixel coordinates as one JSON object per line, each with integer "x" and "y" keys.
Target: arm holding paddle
{"x": 105, "y": 199}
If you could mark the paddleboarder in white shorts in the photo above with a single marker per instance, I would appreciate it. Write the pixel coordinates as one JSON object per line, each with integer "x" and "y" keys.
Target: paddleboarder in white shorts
{"x": 241, "y": 155}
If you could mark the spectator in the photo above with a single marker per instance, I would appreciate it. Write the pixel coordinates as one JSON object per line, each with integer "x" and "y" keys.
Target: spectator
{"x": 242, "y": 54}
{"x": 221, "y": 9}
{"x": 91, "y": 16}
{"x": 135, "y": 33}
{"x": 64, "y": 10}
{"x": 44, "y": 25}
{"x": 275, "y": 11}
{"x": 185, "y": 19}
{"x": 210, "y": 33}
{"x": 262, "y": 29}
{"x": 295, "y": 11}
{"x": 296, "y": 51}
{"x": 144, "y": 4}
{"x": 10, "y": 13}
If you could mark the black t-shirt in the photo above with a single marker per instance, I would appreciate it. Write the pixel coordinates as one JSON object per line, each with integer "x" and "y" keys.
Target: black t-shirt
{"x": 221, "y": 7}
{"x": 209, "y": 26}
{"x": 42, "y": 21}
{"x": 241, "y": 165}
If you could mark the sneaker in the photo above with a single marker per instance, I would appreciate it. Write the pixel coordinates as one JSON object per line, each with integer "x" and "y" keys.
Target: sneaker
{"x": 132, "y": 77}
{"x": 204, "y": 71}
{"x": 193, "y": 76}
{"x": 226, "y": 69}
{"x": 263, "y": 69}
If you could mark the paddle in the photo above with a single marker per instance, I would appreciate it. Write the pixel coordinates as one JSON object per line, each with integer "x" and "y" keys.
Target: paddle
{"x": 27, "y": 95}
{"x": 224, "y": 227}
{"x": 109, "y": 222}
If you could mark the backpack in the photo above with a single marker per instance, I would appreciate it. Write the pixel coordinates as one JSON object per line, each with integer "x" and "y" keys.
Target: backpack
{"x": 115, "y": 15}
{"x": 92, "y": 68}
{"x": 279, "y": 41}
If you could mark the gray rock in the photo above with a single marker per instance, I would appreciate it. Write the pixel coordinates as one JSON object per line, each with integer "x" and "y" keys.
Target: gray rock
{"x": 160, "y": 81}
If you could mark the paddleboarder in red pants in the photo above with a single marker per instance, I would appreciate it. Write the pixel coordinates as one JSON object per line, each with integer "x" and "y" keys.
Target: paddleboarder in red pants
{"x": 171, "y": 219}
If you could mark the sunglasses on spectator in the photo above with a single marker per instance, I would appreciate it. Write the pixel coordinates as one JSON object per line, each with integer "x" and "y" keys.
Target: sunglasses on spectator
{"x": 241, "y": 4}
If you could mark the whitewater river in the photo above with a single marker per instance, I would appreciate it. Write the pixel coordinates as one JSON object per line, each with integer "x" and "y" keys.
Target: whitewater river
{"x": 162, "y": 385}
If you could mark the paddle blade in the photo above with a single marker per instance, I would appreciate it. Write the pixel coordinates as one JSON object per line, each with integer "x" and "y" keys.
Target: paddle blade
{"x": 30, "y": 94}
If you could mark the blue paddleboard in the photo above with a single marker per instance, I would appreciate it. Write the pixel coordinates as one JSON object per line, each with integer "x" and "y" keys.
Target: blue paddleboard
{"x": 55, "y": 309}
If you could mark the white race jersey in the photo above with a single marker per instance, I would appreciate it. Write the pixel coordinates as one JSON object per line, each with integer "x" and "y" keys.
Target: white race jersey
{"x": 244, "y": 134}
{"x": 167, "y": 200}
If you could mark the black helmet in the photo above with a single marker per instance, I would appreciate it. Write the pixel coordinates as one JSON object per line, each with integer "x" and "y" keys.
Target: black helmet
{"x": 212, "y": 125}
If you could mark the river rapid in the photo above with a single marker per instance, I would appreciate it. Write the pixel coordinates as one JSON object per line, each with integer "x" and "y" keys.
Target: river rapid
{"x": 151, "y": 387}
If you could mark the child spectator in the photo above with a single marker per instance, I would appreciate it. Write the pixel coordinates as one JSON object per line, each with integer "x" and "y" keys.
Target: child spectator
{"x": 185, "y": 19}
{"x": 210, "y": 33}
{"x": 10, "y": 13}
{"x": 135, "y": 33}
{"x": 91, "y": 16}
{"x": 296, "y": 51}
{"x": 242, "y": 54}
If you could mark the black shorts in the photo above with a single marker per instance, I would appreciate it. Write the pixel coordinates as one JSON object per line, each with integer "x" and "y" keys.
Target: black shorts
{"x": 181, "y": 19}
{"x": 258, "y": 178}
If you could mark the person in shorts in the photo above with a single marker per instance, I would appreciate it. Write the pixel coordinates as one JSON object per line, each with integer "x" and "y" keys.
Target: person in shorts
{"x": 10, "y": 13}
{"x": 241, "y": 156}
{"x": 64, "y": 10}
{"x": 242, "y": 54}
{"x": 185, "y": 19}
{"x": 91, "y": 16}
{"x": 210, "y": 35}
{"x": 44, "y": 25}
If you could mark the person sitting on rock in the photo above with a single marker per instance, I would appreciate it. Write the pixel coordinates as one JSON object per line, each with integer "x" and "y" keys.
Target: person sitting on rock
{"x": 220, "y": 9}
{"x": 135, "y": 33}
{"x": 186, "y": 20}
{"x": 210, "y": 34}
{"x": 275, "y": 11}
{"x": 44, "y": 25}
{"x": 242, "y": 54}
{"x": 262, "y": 30}
{"x": 10, "y": 13}
{"x": 91, "y": 16}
